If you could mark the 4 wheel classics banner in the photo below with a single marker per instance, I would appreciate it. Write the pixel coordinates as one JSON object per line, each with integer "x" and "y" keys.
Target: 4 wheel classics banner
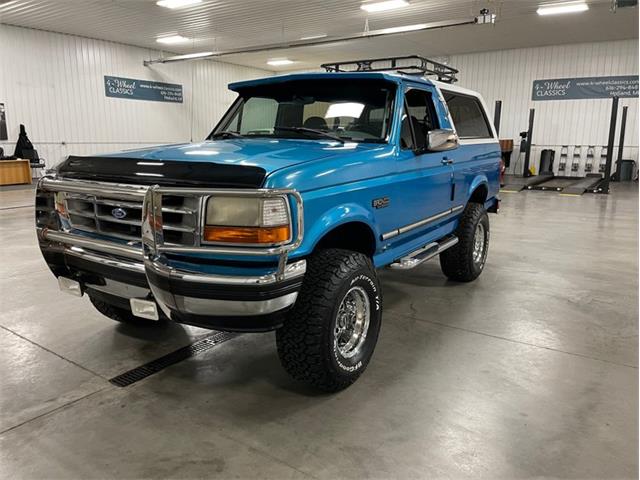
{"x": 119, "y": 87}
{"x": 585, "y": 88}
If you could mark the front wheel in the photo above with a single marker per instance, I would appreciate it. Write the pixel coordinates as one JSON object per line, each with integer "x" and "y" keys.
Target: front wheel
{"x": 465, "y": 261}
{"x": 329, "y": 336}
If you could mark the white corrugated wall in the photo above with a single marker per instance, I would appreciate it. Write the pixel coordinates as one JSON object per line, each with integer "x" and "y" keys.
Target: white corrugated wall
{"x": 53, "y": 84}
{"x": 508, "y": 75}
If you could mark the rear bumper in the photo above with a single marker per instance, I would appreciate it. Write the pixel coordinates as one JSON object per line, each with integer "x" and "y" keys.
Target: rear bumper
{"x": 117, "y": 273}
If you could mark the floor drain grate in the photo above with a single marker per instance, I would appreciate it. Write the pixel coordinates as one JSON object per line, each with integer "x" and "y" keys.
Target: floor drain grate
{"x": 143, "y": 371}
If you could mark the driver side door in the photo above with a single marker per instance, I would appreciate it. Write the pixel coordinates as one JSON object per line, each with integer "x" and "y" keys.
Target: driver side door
{"x": 426, "y": 178}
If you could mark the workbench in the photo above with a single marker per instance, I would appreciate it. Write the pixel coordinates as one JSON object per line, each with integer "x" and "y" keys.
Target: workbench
{"x": 15, "y": 172}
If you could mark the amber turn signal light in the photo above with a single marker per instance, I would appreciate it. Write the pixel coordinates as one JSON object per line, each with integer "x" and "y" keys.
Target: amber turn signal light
{"x": 255, "y": 235}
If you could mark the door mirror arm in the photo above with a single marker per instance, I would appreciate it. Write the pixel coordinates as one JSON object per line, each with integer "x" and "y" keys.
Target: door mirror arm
{"x": 420, "y": 150}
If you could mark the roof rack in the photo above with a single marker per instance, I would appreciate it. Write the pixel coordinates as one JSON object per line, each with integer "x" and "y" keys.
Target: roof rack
{"x": 408, "y": 65}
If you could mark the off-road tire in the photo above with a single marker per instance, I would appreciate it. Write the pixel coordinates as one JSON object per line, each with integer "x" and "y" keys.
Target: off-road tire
{"x": 306, "y": 342}
{"x": 120, "y": 314}
{"x": 457, "y": 262}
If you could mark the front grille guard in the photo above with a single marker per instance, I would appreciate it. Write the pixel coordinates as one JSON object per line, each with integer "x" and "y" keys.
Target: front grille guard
{"x": 153, "y": 236}
{"x": 154, "y": 246}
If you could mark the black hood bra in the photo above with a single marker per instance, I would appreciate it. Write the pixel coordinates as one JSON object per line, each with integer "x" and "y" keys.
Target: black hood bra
{"x": 141, "y": 171}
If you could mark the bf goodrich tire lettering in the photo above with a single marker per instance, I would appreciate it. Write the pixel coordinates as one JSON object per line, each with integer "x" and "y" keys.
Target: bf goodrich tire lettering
{"x": 308, "y": 346}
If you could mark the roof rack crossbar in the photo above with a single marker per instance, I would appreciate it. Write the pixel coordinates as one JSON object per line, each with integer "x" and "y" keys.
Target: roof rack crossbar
{"x": 407, "y": 65}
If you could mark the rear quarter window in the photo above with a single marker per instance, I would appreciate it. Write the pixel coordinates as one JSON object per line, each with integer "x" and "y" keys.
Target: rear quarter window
{"x": 468, "y": 116}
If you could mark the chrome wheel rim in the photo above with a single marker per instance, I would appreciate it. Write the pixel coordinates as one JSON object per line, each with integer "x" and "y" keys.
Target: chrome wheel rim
{"x": 352, "y": 322}
{"x": 478, "y": 244}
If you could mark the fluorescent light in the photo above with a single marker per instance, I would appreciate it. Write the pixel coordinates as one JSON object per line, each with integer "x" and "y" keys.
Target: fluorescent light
{"x": 189, "y": 55}
{"x": 563, "y": 8}
{"x": 384, "y": 6}
{"x": 177, "y": 3}
{"x": 173, "y": 39}
{"x": 313, "y": 37}
{"x": 404, "y": 28}
{"x": 279, "y": 62}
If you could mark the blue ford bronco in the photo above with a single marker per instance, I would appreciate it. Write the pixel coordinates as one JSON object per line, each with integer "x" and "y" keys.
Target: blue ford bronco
{"x": 280, "y": 218}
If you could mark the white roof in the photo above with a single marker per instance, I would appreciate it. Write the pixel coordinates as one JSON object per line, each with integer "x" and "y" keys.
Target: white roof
{"x": 451, "y": 87}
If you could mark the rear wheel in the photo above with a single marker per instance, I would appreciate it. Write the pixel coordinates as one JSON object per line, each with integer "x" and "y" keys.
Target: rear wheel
{"x": 465, "y": 261}
{"x": 329, "y": 336}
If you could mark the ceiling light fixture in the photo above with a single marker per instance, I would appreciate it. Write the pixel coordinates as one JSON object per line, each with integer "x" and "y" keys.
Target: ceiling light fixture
{"x": 558, "y": 9}
{"x": 172, "y": 40}
{"x": 314, "y": 37}
{"x": 384, "y": 6}
{"x": 189, "y": 56}
{"x": 404, "y": 28}
{"x": 279, "y": 62}
{"x": 177, "y": 3}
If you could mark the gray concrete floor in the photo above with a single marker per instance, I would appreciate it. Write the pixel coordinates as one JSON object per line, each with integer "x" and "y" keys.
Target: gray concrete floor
{"x": 531, "y": 371}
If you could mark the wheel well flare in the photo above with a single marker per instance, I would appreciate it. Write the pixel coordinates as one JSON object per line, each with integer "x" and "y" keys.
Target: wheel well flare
{"x": 355, "y": 236}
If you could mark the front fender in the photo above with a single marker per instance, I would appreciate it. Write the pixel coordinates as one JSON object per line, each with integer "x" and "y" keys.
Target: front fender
{"x": 332, "y": 218}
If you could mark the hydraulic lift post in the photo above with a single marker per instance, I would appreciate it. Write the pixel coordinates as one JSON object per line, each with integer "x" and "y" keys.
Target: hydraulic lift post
{"x": 623, "y": 128}
{"x": 527, "y": 156}
{"x": 604, "y": 185}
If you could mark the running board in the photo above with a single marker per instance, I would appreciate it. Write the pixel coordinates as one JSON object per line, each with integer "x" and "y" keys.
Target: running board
{"x": 424, "y": 253}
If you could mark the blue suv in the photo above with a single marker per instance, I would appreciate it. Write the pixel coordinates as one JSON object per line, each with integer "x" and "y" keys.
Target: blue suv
{"x": 280, "y": 218}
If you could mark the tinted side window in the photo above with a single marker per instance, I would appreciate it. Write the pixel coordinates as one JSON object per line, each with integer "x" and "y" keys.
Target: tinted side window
{"x": 467, "y": 116}
{"x": 406, "y": 139}
{"x": 422, "y": 114}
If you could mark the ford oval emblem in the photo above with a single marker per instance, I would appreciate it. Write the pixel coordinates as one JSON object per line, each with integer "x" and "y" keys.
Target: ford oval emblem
{"x": 119, "y": 213}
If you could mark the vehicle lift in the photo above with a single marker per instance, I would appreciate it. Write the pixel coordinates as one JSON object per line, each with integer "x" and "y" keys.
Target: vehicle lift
{"x": 515, "y": 183}
{"x": 599, "y": 182}
{"x": 573, "y": 185}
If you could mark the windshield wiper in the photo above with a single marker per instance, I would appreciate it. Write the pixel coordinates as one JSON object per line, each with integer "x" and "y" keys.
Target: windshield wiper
{"x": 312, "y": 131}
{"x": 226, "y": 134}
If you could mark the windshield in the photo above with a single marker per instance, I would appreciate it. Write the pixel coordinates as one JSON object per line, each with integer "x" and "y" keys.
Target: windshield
{"x": 342, "y": 109}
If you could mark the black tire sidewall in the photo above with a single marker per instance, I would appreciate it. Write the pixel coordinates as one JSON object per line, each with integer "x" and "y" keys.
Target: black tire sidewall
{"x": 355, "y": 365}
{"x": 484, "y": 220}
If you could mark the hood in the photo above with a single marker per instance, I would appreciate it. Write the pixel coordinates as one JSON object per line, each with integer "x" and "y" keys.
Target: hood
{"x": 240, "y": 163}
{"x": 268, "y": 154}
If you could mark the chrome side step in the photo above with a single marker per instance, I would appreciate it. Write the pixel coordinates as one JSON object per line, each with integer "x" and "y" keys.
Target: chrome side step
{"x": 424, "y": 253}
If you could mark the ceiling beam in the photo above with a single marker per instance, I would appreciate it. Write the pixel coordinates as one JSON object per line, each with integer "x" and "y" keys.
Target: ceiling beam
{"x": 319, "y": 41}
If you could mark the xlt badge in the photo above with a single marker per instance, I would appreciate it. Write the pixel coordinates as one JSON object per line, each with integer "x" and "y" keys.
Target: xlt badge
{"x": 380, "y": 202}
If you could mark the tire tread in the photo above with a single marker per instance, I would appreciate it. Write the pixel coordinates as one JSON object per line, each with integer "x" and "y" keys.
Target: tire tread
{"x": 303, "y": 340}
{"x": 456, "y": 262}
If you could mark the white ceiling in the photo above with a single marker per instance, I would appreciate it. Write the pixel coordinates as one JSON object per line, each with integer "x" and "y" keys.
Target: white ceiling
{"x": 218, "y": 25}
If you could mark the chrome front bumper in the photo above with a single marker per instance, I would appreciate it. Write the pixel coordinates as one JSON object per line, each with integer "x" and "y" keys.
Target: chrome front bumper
{"x": 93, "y": 264}
{"x": 210, "y": 300}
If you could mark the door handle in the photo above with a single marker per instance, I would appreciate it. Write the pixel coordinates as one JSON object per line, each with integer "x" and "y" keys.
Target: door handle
{"x": 447, "y": 161}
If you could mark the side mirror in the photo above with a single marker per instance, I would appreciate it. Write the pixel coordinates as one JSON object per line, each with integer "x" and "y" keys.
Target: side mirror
{"x": 441, "y": 140}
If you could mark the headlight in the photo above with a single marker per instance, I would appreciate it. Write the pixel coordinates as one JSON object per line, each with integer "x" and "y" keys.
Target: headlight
{"x": 247, "y": 220}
